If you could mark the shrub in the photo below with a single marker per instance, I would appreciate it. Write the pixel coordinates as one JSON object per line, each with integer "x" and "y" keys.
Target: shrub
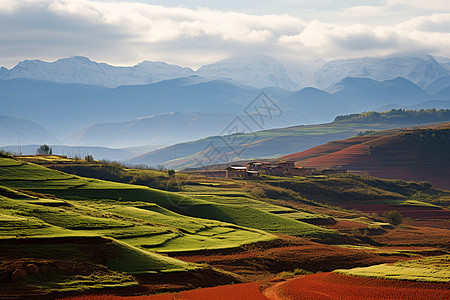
{"x": 44, "y": 150}
{"x": 394, "y": 218}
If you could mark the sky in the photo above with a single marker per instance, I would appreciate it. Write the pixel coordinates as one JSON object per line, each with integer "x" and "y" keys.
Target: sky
{"x": 193, "y": 33}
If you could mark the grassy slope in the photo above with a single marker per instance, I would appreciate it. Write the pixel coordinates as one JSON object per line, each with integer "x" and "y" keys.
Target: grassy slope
{"x": 142, "y": 216}
{"x": 431, "y": 269}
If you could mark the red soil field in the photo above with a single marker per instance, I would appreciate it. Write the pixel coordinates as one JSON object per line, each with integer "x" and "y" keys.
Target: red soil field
{"x": 415, "y": 212}
{"x": 380, "y": 156}
{"x": 255, "y": 264}
{"x": 313, "y": 287}
{"x": 415, "y": 236}
{"x": 347, "y": 225}
{"x": 225, "y": 292}
{"x": 336, "y": 286}
{"x": 443, "y": 224}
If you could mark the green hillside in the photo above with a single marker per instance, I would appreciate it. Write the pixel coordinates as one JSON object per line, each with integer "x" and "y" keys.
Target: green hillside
{"x": 115, "y": 230}
{"x": 141, "y": 216}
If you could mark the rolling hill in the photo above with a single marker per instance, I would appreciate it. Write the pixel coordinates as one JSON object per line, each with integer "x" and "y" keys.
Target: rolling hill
{"x": 409, "y": 154}
{"x": 266, "y": 144}
{"x": 63, "y": 233}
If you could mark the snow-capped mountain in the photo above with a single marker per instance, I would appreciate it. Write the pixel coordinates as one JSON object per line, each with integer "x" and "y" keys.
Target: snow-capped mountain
{"x": 256, "y": 70}
{"x": 422, "y": 70}
{"x": 81, "y": 70}
{"x": 444, "y": 61}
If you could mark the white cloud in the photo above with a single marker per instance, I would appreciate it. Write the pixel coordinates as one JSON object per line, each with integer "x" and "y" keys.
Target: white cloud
{"x": 432, "y": 23}
{"x": 363, "y": 11}
{"x": 127, "y": 32}
{"x": 433, "y": 5}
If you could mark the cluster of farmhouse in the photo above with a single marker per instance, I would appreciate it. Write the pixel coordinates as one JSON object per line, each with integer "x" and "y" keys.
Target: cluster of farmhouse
{"x": 288, "y": 168}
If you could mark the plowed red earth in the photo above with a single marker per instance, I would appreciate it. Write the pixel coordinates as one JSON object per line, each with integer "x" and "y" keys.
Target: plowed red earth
{"x": 285, "y": 255}
{"x": 313, "y": 287}
{"x": 225, "y": 292}
{"x": 415, "y": 236}
{"x": 380, "y": 156}
{"x": 335, "y": 286}
{"x": 415, "y": 212}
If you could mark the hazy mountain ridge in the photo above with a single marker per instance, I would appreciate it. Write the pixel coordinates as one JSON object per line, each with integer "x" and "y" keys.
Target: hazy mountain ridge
{"x": 95, "y": 114}
{"x": 368, "y": 94}
{"x": 113, "y": 115}
{"x": 16, "y": 130}
{"x": 167, "y": 128}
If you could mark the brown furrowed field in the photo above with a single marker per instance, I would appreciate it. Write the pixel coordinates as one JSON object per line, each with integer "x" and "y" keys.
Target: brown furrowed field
{"x": 260, "y": 262}
{"x": 336, "y": 286}
{"x": 312, "y": 287}
{"x": 225, "y": 292}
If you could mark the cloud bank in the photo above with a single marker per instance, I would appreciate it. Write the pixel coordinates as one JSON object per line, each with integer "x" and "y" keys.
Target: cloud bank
{"x": 126, "y": 32}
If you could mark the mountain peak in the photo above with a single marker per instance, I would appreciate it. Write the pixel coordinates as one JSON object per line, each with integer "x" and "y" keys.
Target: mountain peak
{"x": 255, "y": 70}
{"x": 78, "y": 59}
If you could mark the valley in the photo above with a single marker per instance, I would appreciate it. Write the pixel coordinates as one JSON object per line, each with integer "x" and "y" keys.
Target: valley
{"x": 205, "y": 232}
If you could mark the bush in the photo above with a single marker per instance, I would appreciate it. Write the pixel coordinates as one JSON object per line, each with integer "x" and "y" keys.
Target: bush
{"x": 394, "y": 218}
{"x": 44, "y": 150}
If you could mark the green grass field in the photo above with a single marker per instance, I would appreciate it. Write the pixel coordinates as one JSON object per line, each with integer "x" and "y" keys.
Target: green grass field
{"x": 430, "y": 269}
{"x": 128, "y": 212}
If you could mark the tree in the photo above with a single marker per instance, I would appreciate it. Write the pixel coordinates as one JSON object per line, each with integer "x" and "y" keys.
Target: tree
{"x": 171, "y": 172}
{"x": 394, "y": 218}
{"x": 89, "y": 158}
{"x": 44, "y": 150}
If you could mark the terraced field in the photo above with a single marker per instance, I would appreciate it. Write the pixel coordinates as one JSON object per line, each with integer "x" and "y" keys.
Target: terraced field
{"x": 213, "y": 231}
{"x": 89, "y": 207}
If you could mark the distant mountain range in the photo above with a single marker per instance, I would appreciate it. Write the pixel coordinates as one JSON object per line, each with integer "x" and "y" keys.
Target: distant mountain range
{"x": 254, "y": 70}
{"x": 82, "y": 102}
{"x": 189, "y": 108}
{"x": 81, "y": 70}
{"x": 410, "y": 154}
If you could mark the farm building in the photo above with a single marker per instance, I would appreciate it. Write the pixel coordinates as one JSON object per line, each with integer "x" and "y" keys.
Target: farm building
{"x": 287, "y": 168}
{"x": 240, "y": 172}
